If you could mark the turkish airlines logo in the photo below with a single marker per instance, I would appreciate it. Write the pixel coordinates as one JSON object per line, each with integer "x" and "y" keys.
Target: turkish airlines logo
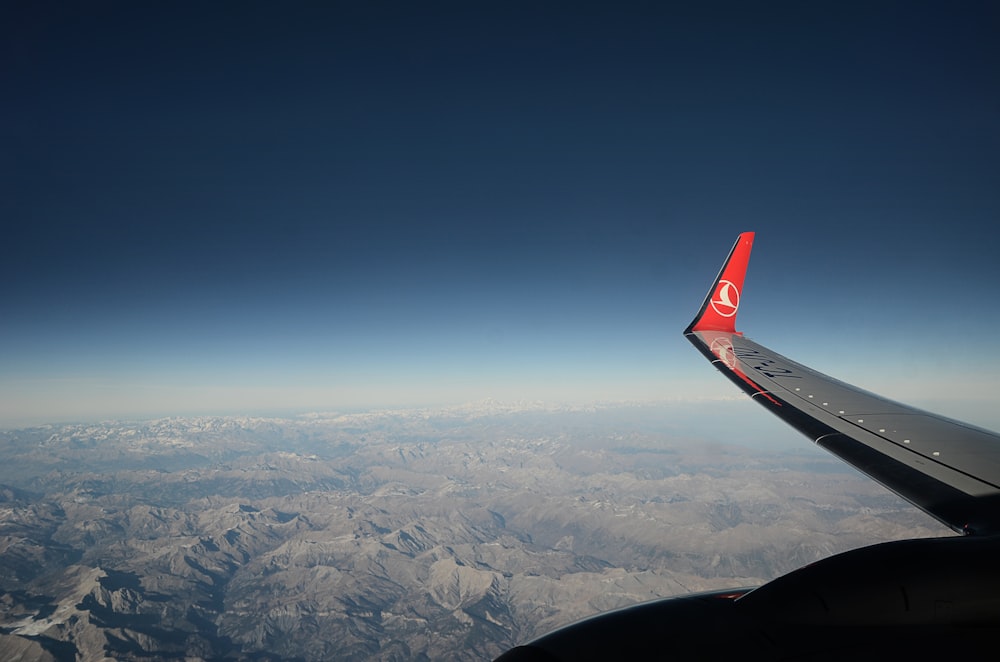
{"x": 723, "y": 348}
{"x": 727, "y": 299}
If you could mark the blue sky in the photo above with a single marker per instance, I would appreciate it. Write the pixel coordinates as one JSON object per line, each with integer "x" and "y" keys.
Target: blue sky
{"x": 252, "y": 207}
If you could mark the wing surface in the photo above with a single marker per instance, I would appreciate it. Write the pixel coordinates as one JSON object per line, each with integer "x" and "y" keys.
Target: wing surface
{"x": 947, "y": 468}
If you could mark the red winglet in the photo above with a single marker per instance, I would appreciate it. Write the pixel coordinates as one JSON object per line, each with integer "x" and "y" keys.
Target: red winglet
{"x": 718, "y": 313}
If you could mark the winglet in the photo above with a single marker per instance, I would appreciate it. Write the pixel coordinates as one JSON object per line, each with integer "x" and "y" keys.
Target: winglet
{"x": 718, "y": 313}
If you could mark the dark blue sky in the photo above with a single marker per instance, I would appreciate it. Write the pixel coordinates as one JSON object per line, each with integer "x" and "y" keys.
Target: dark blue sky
{"x": 230, "y": 207}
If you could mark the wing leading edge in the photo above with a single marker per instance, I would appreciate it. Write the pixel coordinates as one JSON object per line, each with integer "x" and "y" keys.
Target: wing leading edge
{"x": 949, "y": 469}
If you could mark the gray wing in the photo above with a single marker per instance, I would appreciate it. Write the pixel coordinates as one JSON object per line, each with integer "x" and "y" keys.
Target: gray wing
{"x": 949, "y": 469}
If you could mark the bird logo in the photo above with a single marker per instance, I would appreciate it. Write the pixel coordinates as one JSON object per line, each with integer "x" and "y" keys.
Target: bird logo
{"x": 723, "y": 348}
{"x": 727, "y": 299}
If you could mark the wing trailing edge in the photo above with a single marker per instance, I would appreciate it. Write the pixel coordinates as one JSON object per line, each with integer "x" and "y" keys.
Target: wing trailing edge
{"x": 949, "y": 469}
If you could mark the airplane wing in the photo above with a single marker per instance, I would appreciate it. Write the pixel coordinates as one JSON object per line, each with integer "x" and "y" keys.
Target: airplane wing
{"x": 912, "y": 599}
{"x": 949, "y": 469}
